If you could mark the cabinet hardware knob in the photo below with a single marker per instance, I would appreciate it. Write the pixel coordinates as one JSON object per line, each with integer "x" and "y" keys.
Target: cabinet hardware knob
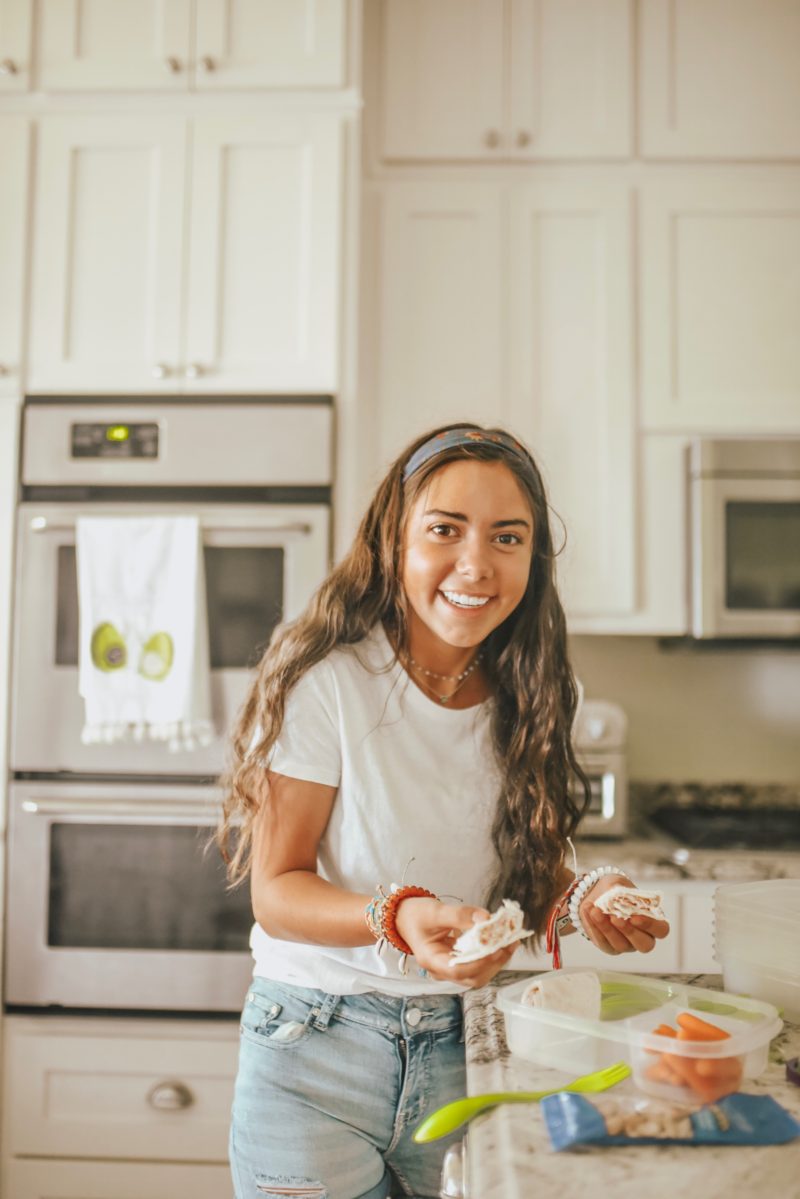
{"x": 207, "y": 63}
{"x": 174, "y": 64}
{"x": 8, "y": 67}
{"x": 492, "y": 139}
{"x": 523, "y": 138}
{"x": 4, "y": 370}
{"x": 160, "y": 370}
{"x": 170, "y": 1096}
{"x": 194, "y": 370}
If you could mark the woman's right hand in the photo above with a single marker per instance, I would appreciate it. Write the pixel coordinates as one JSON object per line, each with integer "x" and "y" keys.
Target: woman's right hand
{"x": 431, "y": 928}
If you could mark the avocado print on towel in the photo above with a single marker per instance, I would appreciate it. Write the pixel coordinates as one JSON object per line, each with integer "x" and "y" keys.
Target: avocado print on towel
{"x": 109, "y": 652}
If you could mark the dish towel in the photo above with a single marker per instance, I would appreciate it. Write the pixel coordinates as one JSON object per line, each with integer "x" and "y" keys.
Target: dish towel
{"x": 143, "y": 657}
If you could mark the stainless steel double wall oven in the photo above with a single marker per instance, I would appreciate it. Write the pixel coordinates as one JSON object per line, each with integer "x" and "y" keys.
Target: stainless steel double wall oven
{"x": 113, "y": 901}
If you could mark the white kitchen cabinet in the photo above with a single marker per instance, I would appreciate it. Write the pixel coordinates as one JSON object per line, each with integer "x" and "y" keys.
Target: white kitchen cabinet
{"x": 500, "y": 79}
{"x": 145, "y": 1104}
{"x": 107, "y": 254}
{"x": 512, "y": 305}
{"x": 14, "y": 178}
{"x": 660, "y": 554}
{"x": 155, "y": 271}
{"x": 571, "y": 377}
{"x": 60, "y": 1179}
{"x": 264, "y": 254}
{"x": 270, "y": 43}
{"x": 15, "y": 45}
{"x": 173, "y": 45}
{"x": 720, "y": 79}
{"x": 720, "y": 301}
{"x": 131, "y": 44}
{"x": 437, "y": 321}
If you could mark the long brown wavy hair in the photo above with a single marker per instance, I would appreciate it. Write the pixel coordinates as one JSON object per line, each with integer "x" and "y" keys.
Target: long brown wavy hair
{"x": 534, "y": 695}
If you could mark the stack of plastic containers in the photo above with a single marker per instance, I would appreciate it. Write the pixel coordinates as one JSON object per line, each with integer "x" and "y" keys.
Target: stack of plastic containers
{"x": 757, "y": 941}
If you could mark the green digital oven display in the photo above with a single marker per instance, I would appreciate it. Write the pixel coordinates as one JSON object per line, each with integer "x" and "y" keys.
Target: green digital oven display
{"x": 96, "y": 440}
{"x": 118, "y": 433}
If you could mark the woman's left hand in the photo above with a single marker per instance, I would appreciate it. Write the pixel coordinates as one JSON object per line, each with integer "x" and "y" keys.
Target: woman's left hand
{"x": 613, "y": 934}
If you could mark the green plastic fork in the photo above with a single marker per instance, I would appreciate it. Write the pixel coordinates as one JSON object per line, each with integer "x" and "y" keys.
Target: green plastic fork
{"x": 450, "y": 1117}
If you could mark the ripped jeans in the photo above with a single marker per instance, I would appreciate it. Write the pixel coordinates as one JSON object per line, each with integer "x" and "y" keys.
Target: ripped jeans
{"x": 330, "y": 1089}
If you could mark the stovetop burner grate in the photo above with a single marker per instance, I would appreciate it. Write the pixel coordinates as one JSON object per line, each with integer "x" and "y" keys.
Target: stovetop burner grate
{"x": 706, "y": 827}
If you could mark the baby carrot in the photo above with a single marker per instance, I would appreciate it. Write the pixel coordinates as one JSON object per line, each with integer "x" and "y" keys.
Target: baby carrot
{"x": 692, "y": 1028}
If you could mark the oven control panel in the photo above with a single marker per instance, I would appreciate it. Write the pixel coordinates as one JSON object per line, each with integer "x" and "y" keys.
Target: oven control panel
{"x": 100, "y": 440}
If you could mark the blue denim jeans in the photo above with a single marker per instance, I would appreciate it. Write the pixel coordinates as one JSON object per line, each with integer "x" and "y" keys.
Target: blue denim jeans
{"x": 330, "y": 1090}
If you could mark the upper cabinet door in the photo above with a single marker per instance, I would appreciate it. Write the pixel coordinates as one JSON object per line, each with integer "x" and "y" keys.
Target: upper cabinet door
{"x": 95, "y": 44}
{"x": 15, "y": 45}
{"x": 442, "y": 67}
{"x": 571, "y": 78}
{"x": 720, "y": 301}
{"x": 720, "y": 79}
{"x": 106, "y": 278}
{"x": 15, "y": 140}
{"x": 270, "y": 43}
{"x": 263, "y": 287}
{"x": 572, "y": 377}
{"x": 438, "y": 310}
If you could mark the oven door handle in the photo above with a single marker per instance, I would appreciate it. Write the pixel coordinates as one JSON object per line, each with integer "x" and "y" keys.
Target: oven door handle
{"x": 109, "y": 811}
{"x": 40, "y": 524}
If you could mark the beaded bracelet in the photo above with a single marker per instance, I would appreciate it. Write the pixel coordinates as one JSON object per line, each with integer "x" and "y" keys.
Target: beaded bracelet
{"x": 584, "y": 886}
{"x": 381, "y": 915}
{"x": 556, "y": 922}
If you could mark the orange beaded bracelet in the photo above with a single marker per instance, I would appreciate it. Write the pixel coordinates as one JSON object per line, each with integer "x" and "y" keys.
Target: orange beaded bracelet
{"x": 388, "y": 915}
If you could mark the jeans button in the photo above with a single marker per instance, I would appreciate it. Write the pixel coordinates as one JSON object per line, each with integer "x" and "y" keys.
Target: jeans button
{"x": 413, "y": 1016}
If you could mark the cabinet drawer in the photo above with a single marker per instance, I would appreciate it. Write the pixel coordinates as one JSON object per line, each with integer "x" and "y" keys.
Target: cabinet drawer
{"x": 113, "y": 1089}
{"x": 117, "y": 1180}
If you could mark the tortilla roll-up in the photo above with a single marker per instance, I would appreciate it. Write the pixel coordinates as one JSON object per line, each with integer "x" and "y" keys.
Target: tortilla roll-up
{"x": 630, "y": 901}
{"x": 502, "y": 928}
{"x": 577, "y": 994}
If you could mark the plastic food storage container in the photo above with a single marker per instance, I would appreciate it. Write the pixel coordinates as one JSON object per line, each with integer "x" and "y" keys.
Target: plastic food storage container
{"x": 632, "y": 1007}
{"x": 779, "y": 987}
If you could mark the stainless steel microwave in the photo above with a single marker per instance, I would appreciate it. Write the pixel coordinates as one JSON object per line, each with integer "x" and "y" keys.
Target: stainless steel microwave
{"x": 744, "y": 518}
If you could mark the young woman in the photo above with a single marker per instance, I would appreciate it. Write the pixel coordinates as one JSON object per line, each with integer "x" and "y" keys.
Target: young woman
{"x": 411, "y": 729}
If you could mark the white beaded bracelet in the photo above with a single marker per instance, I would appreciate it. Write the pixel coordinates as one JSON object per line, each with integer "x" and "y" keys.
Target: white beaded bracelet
{"x": 583, "y": 887}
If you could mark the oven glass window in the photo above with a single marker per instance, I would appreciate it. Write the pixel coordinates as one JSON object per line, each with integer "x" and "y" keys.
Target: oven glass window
{"x": 244, "y": 592}
{"x": 142, "y": 886}
{"x": 244, "y": 587}
{"x": 762, "y": 558}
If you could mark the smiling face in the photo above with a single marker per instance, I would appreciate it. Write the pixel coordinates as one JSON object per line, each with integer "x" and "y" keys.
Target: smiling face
{"x": 466, "y": 556}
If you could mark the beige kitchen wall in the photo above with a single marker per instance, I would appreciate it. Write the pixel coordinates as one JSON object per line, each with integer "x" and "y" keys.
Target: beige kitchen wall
{"x": 699, "y": 714}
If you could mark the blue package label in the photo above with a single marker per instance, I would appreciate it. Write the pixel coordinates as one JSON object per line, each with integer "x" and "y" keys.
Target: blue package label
{"x": 574, "y": 1120}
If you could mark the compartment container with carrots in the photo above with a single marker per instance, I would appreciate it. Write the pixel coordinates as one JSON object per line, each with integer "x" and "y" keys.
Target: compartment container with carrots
{"x": 682, "y": 1042}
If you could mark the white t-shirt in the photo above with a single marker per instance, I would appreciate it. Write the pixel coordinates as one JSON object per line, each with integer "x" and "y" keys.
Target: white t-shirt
{"x": 415, "y": 780}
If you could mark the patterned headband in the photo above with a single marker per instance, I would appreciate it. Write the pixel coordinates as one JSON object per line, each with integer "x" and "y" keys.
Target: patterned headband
{"x": 454, "y": 437}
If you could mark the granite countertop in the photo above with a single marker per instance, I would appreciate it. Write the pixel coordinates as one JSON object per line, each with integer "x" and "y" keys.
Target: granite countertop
{"x": 508, "y": 1154}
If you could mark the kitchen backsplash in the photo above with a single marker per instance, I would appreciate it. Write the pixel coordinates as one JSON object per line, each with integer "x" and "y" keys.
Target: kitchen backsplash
{"x": 707, "y": 715}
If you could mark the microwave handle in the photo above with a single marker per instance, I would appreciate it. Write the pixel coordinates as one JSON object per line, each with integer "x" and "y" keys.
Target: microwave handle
{"x": 40, "y": 524}
{"x": 112, "y": 810}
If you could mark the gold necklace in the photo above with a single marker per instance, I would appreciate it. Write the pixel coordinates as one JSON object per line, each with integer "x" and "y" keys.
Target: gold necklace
{"x": 462, "y": 678}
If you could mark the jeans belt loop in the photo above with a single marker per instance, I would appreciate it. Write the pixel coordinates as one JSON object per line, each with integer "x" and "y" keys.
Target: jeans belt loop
{"x": 323, "y": 1014}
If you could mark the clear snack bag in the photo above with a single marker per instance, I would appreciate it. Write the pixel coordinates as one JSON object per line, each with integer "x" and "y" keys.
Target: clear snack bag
{"x": 574, "y": 1120}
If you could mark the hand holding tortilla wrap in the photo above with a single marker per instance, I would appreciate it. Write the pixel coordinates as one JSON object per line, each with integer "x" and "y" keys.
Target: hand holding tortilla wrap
{"x": 628, "y": 920}
{"x": 502, "y": 928}
{"x": 630, "y": 901}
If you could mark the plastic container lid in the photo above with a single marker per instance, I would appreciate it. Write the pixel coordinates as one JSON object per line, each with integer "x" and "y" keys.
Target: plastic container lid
{"x": 632, "y": 1007}
{"x": 774, "y": 896}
